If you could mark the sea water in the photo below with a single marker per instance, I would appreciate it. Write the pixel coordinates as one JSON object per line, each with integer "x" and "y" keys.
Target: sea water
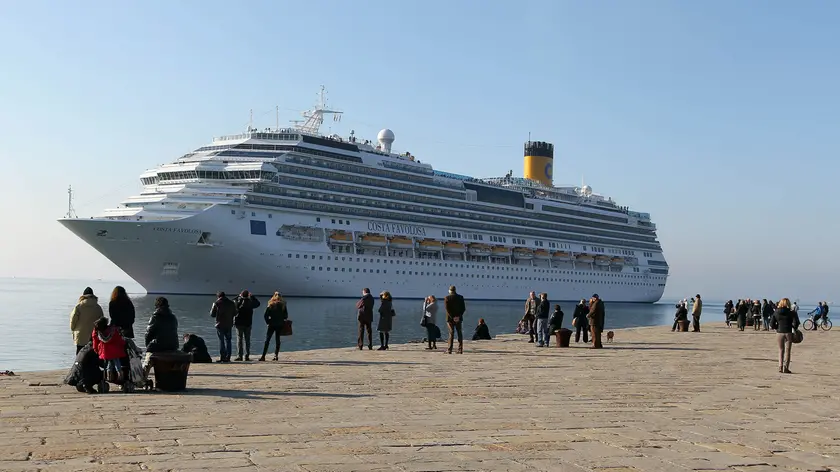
{"x": 35, "y": 319}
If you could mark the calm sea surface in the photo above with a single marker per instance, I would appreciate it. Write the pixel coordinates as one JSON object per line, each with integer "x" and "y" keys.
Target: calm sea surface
{"x": 35, "y": 319}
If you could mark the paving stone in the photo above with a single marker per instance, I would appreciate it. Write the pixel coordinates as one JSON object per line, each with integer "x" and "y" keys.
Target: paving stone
{"x": 633, "y": 406}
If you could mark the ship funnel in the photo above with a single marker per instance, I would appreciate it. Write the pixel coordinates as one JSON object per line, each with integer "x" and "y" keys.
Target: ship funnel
{"x": 539, "y": 162}
{"x": 386, "y": 139}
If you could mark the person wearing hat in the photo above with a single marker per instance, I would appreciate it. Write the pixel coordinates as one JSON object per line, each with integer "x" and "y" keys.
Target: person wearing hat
{"x": 83, "y": 317}
{"x": 696, "y": 310}
{"x": 596, "y": 320}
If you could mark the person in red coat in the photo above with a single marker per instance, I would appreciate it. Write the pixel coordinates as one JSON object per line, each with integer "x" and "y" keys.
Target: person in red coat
{"x": 109, "y": 345}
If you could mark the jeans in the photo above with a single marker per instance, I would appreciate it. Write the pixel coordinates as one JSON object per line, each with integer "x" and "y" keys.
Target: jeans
{"x": 270, "y": 330}
{"x": 430, "y": 333}
{"x": 453, "y": 328}
{"x": 785, "y": 341}
{"x": 542, "y": 331}
{"x": 766, "y": 322}
{"x": 224, "y": 343}
{"x": 243, "y": 332}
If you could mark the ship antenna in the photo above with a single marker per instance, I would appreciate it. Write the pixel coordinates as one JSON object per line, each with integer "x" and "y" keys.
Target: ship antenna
{"x": 315, "y": 118}
{"x": 71, "y": 212}
{"x": 277, "y": 118}
{"x": 251, "y": 121}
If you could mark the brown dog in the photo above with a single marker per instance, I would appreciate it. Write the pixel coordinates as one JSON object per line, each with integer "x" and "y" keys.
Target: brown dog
{"x": 610, "y": 336}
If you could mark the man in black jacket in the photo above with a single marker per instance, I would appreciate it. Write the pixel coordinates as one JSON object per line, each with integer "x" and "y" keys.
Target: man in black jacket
{"x": 364, "y": 308}
{"x": 244, "y": 320}
{"x": 455, "y": 309}
{"x": 580, "y": 321}
{"x": 224, "y": 310}
{"x": 162, "y": 332}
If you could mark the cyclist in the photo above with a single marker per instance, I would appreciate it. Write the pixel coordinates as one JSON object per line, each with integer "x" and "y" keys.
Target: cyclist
{"x": 818, "y": 312}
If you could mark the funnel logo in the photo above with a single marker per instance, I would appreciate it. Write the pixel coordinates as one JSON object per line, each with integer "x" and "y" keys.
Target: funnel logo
{"x": 548, "y": 170}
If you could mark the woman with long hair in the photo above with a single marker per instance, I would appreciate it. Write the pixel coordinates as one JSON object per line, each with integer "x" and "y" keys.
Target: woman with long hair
{"x": 121, "y": 312}
{"x": 786, "y": 321}
{"x": 386, "y": 319}
{"x": 430, "y": 309}
{"x": 275, "y": 316}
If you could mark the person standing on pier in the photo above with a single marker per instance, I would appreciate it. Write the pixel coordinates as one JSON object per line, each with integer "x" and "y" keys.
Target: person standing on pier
{"x": 455, "y": 309}
{"x": 224, "y": 311}
{"x": 596, "y": 317}
{"x": 542, "y": 321}
{"x": 580, "y": 322}
{"x": 244, "y": 321}
{"x": 742, "y": 309}
{"x": 84, "y": 315}
{"x": 121, "y": 311}
{"x": 696, "y": 310}
{"x": 430, "y": 309}
{"x": 275, "y": 316}
{"x": 532, "y": 305}
{"x": 786, "y": 321}
{"x": 364, "y": 307}
{"x": 386, "y": 319}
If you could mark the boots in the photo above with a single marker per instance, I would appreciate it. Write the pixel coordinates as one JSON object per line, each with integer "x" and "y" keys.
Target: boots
{"x": 382, "y": 345}
{"x": 460, "y": 348}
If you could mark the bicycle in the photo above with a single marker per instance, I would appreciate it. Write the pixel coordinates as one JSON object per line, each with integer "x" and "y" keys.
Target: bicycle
{"x": 824, "y": 323}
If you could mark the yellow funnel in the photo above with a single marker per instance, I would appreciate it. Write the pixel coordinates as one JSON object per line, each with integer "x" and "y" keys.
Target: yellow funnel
{"x": 539, "y": 162}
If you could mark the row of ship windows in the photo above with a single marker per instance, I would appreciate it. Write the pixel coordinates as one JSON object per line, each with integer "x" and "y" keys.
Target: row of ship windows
{"x": 456, "y": 266}
{"x": 366, "y": 211}
{"x": 481, "y": 276}
{"x": 380, "y": 189}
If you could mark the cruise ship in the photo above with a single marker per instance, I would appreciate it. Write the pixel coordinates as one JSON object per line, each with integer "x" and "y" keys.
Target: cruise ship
{"x": 314, "y": 215}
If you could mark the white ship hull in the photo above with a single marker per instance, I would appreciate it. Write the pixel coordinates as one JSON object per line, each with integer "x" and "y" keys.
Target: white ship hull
{"x": 164, "y": 257}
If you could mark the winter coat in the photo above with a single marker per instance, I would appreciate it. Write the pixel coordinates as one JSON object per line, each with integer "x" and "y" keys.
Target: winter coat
{"x": 697, "y": 309}
{"x": 455, "y": 307}
{"x": 245, "y": 311}
{"x": 121, "y": 313}
{"x": 430, "y": 312}
{"x": 482, "y": 332}
{"x": 276, "y": 314}
{"x": 597, "y": 315}
{"x": 109, "y": 344}
{"x": 580, "y": 315}
{"x": 224, "y": 310}
{"x": 85, "y": 371}
{"x": 198, "y": 348}
{"x": 83, "y": 317}
{"x": 532, "y": 306}
{"x": 556, "y": 321}
{"x": 365, "y": 309}
{"x": 543, "y": 309}
{"x": 682, "y": 313}
{"x": 785, "y": 320}
{"x": 162, "y": 332}
{"x": 386, "y": 316}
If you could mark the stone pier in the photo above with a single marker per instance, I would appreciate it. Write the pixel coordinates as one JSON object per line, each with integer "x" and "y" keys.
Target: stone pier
{"x": 652, "y": 401}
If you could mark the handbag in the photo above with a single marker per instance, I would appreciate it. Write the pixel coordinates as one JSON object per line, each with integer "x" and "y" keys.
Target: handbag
{"x": 797, "y": 336}
{"x": 424, "y": 321}
{"x": 286, "y": 329}
{"x": 574, "y": 322}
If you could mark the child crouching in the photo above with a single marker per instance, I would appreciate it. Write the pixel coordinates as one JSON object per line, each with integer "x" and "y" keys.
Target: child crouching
{"x": 110, "y": 346}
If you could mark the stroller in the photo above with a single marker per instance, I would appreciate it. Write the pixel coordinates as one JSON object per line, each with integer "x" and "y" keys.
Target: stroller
{"x": 134, "y": 376}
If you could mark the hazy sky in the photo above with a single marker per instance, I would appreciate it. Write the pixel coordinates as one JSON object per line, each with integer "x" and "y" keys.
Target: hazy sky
{"x": 719, "y": 118}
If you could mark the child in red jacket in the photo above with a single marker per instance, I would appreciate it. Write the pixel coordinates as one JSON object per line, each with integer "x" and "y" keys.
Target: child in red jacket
{"x": 110, "y": 345}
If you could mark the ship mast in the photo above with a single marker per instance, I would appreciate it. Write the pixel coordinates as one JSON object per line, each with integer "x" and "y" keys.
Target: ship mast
{"x": 71, "y": 212}
{"x": 314, "y": 118}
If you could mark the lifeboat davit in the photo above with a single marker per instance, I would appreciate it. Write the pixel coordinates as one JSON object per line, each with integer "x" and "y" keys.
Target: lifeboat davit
{"x": 523, "y": 253}
{"x": 479, "y": 250}
{"x": 585, "y": 258}
{"x": 430, "y": 245}
{"x": 399, "y": 242}
{"x": 501, "y": 251}
{"x": 602, "y": 260}
{"x": 561, "y": 256}
{"x": 454, "y": 248}
{"x": 372, "y": 240}
{"x": 542, "y": 254}
{"x": 341, "y": 237}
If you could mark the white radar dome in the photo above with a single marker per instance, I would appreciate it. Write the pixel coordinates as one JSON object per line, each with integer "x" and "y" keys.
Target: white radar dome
{"x": 386, "y": 139}
{"x": 586, "y": 190}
